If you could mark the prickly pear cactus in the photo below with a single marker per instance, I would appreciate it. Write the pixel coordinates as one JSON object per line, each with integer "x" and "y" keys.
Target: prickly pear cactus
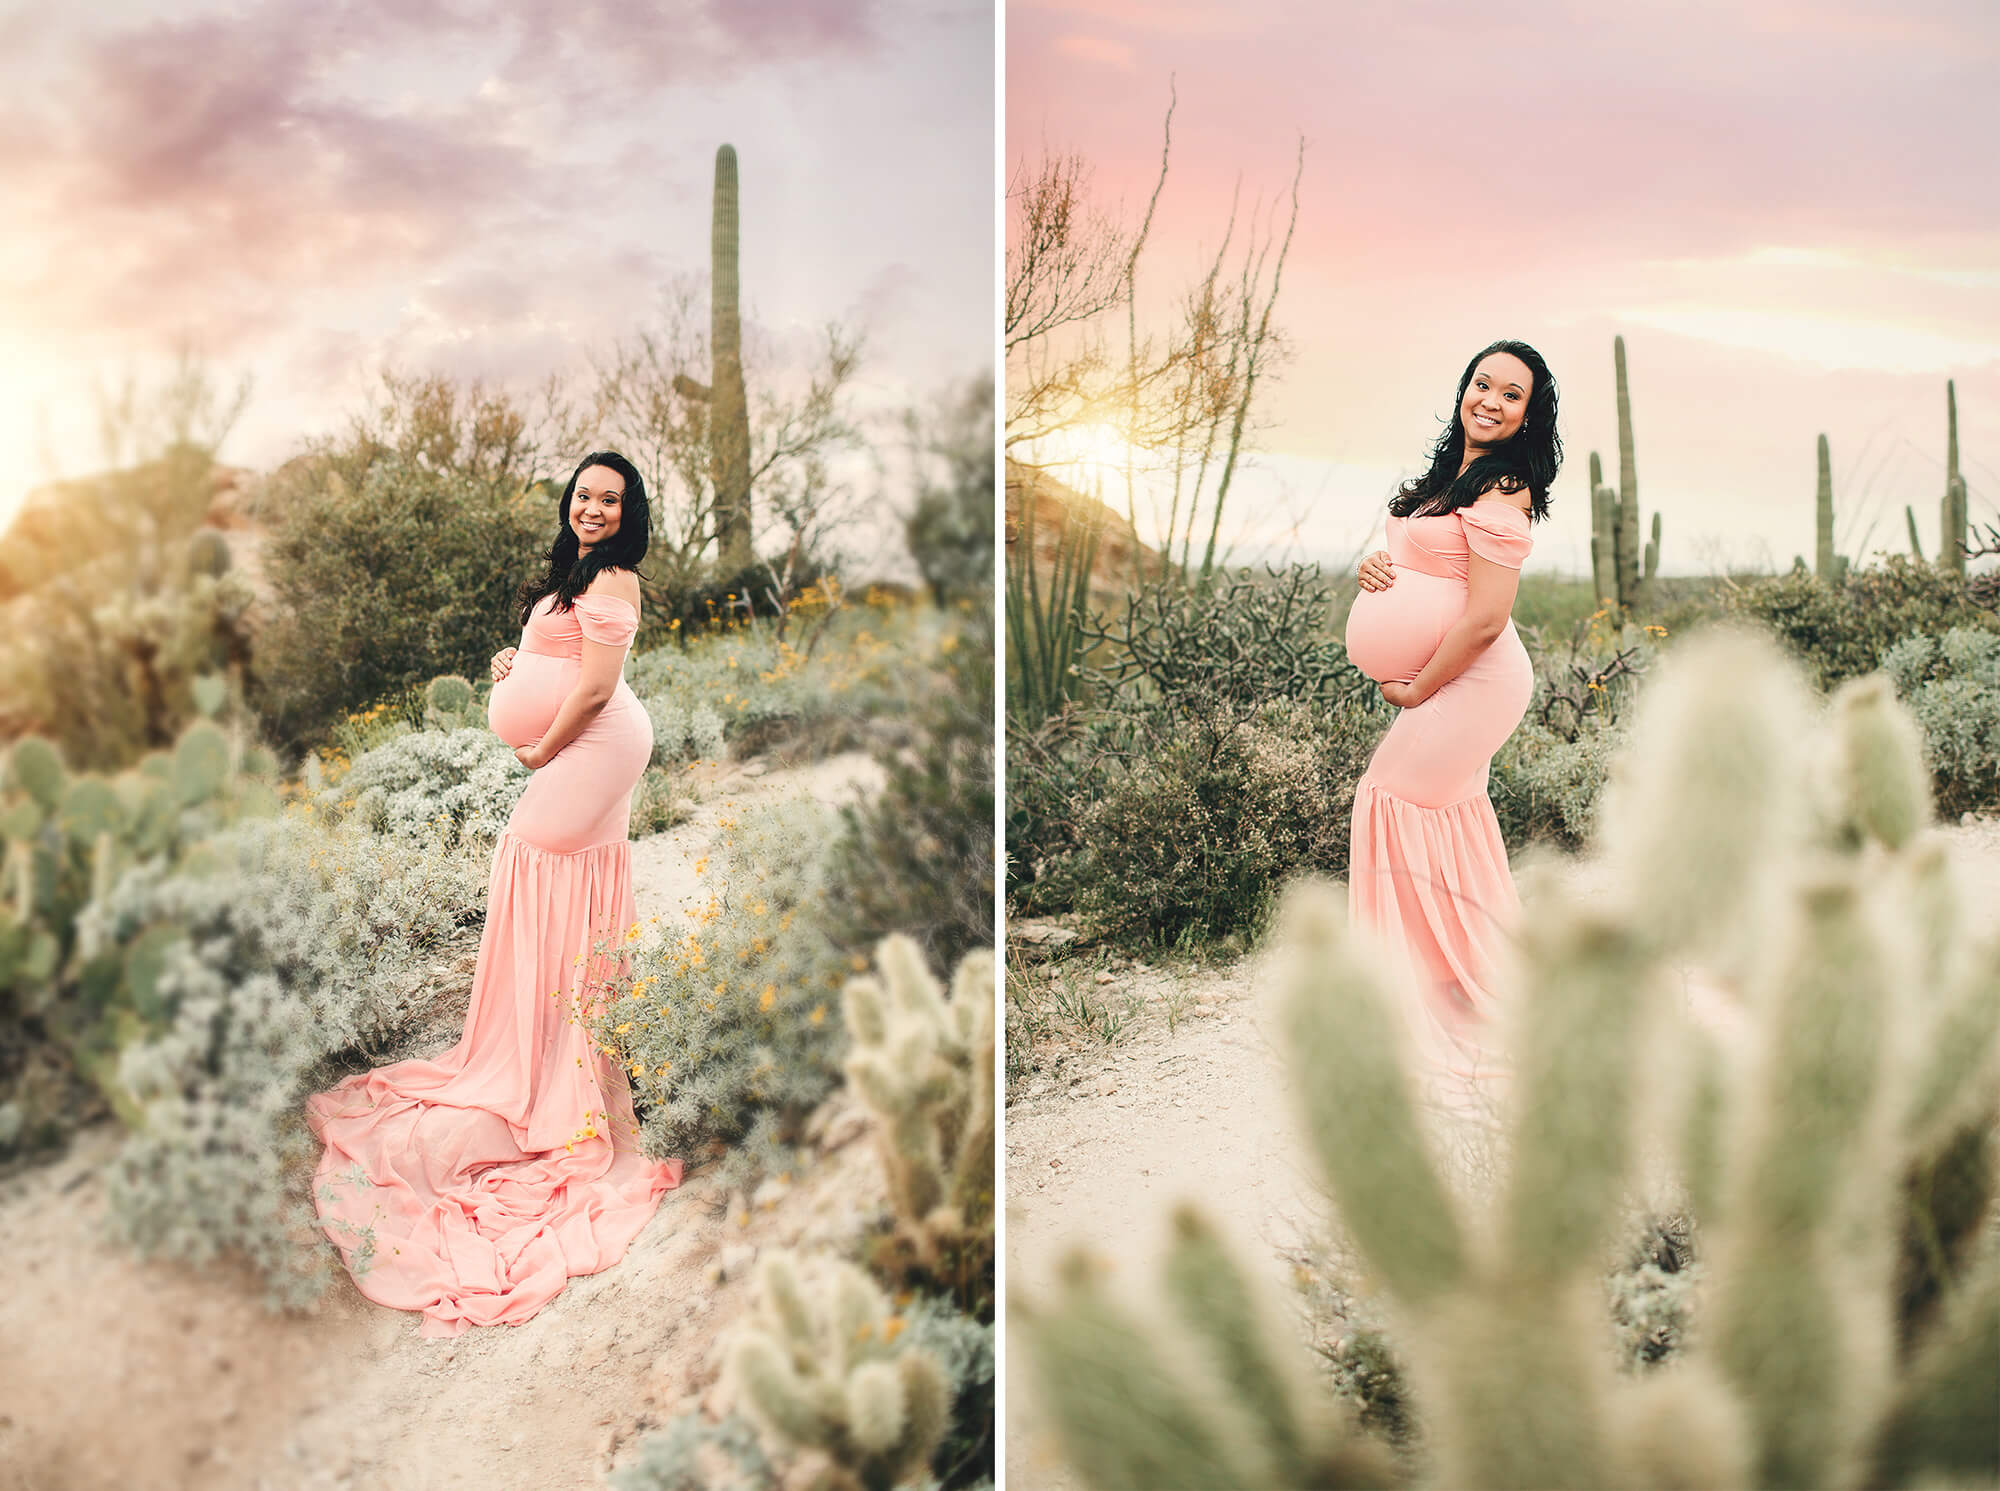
{"x": 822, "y": 1365}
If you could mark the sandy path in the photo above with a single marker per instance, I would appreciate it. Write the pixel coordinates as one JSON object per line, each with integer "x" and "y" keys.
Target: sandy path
{"x": 1102, "y": 1141}
{"x": 116, "y": 1373}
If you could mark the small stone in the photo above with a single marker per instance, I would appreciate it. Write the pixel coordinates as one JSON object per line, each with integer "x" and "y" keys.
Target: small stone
{"x": 1966, "y": 820}
{"x": 1104, "y": 976}
{"x": 1055, "y": 1164}
{"x": 1106, "y": 1088}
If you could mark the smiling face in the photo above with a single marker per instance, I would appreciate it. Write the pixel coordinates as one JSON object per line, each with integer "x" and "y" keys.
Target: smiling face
{"x": 596, "y": 506}
{"x": 1495, "y": 402}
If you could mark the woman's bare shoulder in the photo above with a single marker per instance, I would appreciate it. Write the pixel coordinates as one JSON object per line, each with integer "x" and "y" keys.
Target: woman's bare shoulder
{"x": 621, "y": 583}
{"x": 1513, "y": 491}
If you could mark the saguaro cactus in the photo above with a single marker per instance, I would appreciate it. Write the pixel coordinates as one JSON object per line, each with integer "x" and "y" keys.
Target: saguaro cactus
{"x": 1951, "y": 510}
{"x": 1603, "y": 535}
{"x": 1617, "y": 563}
{"x": 729, "y": 409}
{"x": 1829, "y": 566}
{"x": 1628, "y": 487}
{"x": 728, "y": 404}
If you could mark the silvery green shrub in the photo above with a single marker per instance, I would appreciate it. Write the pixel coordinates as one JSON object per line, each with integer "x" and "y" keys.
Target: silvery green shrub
{"x": 1951, "y": 685}
{"x": 682, "y": 732}
{"x": 298, "y": 951}
{"x": 433, "y": 784}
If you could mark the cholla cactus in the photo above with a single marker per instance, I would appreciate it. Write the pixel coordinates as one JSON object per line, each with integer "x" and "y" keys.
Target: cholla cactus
{"x": 923, "y": 1066}
{"x": 820, "y": 1366}
{"x": 1867, "y": 1037}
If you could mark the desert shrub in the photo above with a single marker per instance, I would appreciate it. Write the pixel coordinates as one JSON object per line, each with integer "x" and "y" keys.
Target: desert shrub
{"x": 1544, "y": 788}
{"x": 656, "y": 802}
{"x": 736, "y": 1018}
{"x": 1952, "y": 686}
{"x": 761, "y": 685}
{"x": 386, "y": 574}
{"x": 917, "y": 857}
{"x": 1242, "y": 643}
{"x": 295, "y": 951}
{"x": 681, "y": 733}
{"x": 432, "y": 784}
{"x": 950, "y": 527}
{"x": 694, "y": 1453}
{"x": 1839, "y": 631}
{"x": 1052, "y": 770}
{"x": 1192, "y": 838}
{"x": 963, "y": 1348}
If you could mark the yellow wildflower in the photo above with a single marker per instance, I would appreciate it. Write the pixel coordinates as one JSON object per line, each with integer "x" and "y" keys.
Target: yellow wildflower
{"x": 818, "y": 1016}
{"x": 768, "y": 998}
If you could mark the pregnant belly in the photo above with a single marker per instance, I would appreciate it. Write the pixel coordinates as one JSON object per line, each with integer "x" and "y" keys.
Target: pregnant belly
{"x": 1392, "y": 633}
{"x": 524, "y": 704}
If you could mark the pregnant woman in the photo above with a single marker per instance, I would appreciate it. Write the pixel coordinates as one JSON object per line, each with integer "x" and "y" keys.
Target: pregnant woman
{"x": 1433, "y": 626}
{"x": 471, "y": 1187}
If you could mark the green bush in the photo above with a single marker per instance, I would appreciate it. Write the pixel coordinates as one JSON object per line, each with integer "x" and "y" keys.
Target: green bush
{"x": 385, "y": 579}
{"x": 1544, "y": 788}
{"x": 1192, "y": 838}
{"x": 950, "y": 528}
{"x": 917, "y": 857}
{"x": 1952, "y": 687}
{"x": 1839, "y": 631}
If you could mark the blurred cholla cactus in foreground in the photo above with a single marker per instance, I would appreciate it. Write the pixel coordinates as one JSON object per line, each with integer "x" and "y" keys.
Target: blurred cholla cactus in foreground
{"x": 923, "y": 1066}
{"x": 822, "y": 1366}
{"x": 1850, "y": 1051}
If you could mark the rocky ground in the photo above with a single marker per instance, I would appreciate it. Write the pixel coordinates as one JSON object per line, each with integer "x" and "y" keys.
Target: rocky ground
{"x": 121, "y": 1374}
{"x": 1186, "y": 1101}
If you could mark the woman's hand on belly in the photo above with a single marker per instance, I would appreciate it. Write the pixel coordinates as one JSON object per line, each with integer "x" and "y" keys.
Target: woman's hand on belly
{"x": 531, "y": 756}
{"x": 1377, "y": 571}
{"x": 1402, "y": 695}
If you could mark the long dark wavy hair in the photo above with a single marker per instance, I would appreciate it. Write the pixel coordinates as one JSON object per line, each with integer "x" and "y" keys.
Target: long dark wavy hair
{"x": 567, "y": 576}
{"x": 1530, "y": 459}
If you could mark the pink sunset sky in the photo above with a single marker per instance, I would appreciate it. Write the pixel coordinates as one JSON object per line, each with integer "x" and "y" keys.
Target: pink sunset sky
{"x": 1787, "y": 209}
{"x": 482, "y": 188}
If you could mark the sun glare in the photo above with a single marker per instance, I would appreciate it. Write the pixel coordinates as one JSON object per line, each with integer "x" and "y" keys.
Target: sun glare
{"x": 1091, "y": 457}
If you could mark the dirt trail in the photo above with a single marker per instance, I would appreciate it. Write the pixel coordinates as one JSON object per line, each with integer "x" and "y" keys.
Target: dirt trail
{"x": 1103, "y": 1140}
{"x": 119, "y": 1373}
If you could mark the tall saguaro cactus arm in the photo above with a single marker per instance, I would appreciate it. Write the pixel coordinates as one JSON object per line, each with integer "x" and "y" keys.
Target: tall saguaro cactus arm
{"x": 1628, "y": 488}
{"x": 1951, "y": 516}
{"x": 729, "y": 421}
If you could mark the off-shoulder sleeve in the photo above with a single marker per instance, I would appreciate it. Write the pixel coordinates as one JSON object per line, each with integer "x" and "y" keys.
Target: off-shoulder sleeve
{"x": 1497, "y": 531}
{"x": 607, "y": 619}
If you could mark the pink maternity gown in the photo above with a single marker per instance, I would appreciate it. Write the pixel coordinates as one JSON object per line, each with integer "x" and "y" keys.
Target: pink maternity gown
{"x": 471, "y": 1187}
{"x": 1427, "y": 871}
